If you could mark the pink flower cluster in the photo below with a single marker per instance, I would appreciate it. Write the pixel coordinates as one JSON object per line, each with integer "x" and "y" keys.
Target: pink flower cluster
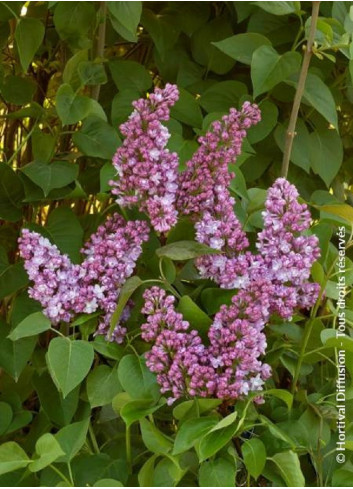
{"x": 65, "y": 289}
{"x": 229, "y": 368}
{"x": 147, "y": 171}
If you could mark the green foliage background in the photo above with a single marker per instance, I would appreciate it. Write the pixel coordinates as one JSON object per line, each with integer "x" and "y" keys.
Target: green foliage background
{"x": 69, "y": 72}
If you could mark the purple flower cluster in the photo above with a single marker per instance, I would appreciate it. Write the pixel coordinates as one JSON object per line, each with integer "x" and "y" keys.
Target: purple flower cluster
{"x": 65, "y": 289}
{"x": 147, "y": 171}
{"x": 287, "y": 254}
{"x": 204, "y": 191}
{"x": 203, "y": 186}
{"x": 284, "y": 257}
{"x": 229, "y": 368}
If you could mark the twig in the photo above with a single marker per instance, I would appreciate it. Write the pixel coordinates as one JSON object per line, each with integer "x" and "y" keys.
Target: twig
{"x": 100, "y": 44}
{"x": 299, "y": 92}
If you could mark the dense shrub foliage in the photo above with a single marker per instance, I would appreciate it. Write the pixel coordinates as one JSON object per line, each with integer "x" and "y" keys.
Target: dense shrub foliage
{"x": 175, "y": 246}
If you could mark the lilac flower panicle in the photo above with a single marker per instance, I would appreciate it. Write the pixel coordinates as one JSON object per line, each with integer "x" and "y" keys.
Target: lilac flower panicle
{"x": 56, "y": 279}
{"x": 204, "y": 191}
{"x": 284, "y": 259}
{"x": 229, "y": 368}
{"x": 204, "y": 184}
{"x": 65, "y": 289}
{"x": 147, "y": 171}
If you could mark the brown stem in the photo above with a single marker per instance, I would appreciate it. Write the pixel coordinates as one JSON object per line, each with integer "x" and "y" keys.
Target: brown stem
{"x": 299, "y": 92}
{"x": 100, "y": 43}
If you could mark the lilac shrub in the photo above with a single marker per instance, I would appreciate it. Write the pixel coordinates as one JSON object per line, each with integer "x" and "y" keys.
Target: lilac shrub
{"x": 272, "y": 280}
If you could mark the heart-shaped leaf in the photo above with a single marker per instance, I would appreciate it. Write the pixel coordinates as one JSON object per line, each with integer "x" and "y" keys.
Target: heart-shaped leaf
{"x": 69, "y": 362}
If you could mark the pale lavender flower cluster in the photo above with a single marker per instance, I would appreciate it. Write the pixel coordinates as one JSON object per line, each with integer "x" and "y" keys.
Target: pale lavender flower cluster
{"x": 229, "y": 368}
{"x": 65, "y": 289}
{"x": 56, "y": 279}
{"x": 147, "y": 171}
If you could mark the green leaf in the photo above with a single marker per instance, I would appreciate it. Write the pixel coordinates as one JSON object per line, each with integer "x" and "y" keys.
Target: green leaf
{"x": 203, "y": 46}
{"x": 135, "y": 410}
{"x": 242, "y": 46}
{"x": 212, "y": 299}
{"x": 153, "y": 438}
{"x": 191, "y": 431}
{"x": 107, "y": 348}
{"x": 72, "y": 20}
{"x": 12, "y": 278}
{"x": 277, "y": 432}
{"x": 268, "y": 68}
{"x": 70, "y": 74}
{"x": 197, "y": 318}
{"x": 60, "y": 411}
{"x": 217, "y": 473}
{"x": 47, "y": 450}
{"x": 43, "y": 146}
{"x": 146, "y": 473}
{"x": 222, "y": 96}
{"x": 125, "y": 17}
{"x": 14, "y": 355}
{"x": 184, "y": 250}
{"x": 126, "y": 292}
{"x": 330, "y": 338}
{"x": 254, "y": 455}
{"x": 29, "y": 35}
{"x": 11, "y": 194}
{"x": 107, "y": 173}
{"x": 130, "y": 75}
{"x": 318, "y": 95}
{"x": 66, "y": 232}
{"x": 17, "y": 90}
{"x": 97, "y": 138}
{"x": 71, "y": 439}
{"x": 12, "y": 457}
{"x": 269, "y": 116}
{"x": 187, "y": 109}
{"x": 69, "y": 362}
{"x": 168, "y": 269}
{"x": 91, "y": 73}
{"x": 288, "y": 466}
{"x": 217, "y": 437}
{"x": 163, "y": 30}
{"x": 102, "y": 385}
{"x": 279, "y": 8}
{"x": 49, "y": 176}
{"x": 136, "y": 379}
{"x": 32, "y": 325}
{"x": 193, "y": 408}
{"x": 70, "y": 107}
{"x": 344, "y": 211}
{"x": 122, "y": 105}
{"x": 326, "y": 145}
{"x": 108, "y": 483}
{"x": 6, "y": 416}
{"x": 282, "y": 394}
{"x": 342, "y": 477}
